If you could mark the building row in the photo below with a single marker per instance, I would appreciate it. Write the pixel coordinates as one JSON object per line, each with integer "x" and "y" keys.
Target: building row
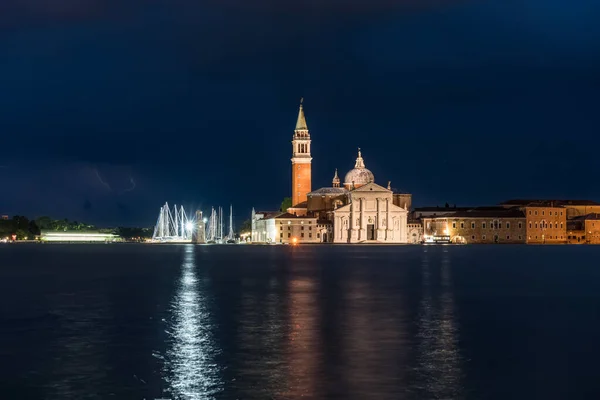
{"x": 515, "y": 221}
{"x": 358, "y": 210}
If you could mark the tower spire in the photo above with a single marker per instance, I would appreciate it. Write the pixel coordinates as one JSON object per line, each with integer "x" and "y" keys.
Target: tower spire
{"x": 336, "y": 179}
{"x": 301, "y": 122}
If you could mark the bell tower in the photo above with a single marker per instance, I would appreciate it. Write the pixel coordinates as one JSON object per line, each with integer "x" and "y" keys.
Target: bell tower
{"x": 301, "y": 160}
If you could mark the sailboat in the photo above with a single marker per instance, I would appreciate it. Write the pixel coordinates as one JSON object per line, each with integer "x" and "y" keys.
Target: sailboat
{"x": 231, "y": 234}
{"x": 211, "y": 229}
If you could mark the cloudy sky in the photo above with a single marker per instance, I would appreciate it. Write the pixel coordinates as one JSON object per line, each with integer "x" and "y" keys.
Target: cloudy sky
{"x": 109, "y": 108}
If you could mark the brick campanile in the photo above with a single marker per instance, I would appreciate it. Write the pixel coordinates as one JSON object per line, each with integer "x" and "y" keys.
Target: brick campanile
{"x": 301, "y": 160}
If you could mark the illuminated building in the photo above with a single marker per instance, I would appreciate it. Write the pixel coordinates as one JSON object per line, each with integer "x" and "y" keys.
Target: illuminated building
{"x": 574, "y": 208}
{"x": 584, "y": 229}
{"x": 263, "y": 226}
{"x": 546, "y": 223}
{"x": 357, "y": 211}
{"x": 77, "y": 236}
{"x": 477, "y": 225}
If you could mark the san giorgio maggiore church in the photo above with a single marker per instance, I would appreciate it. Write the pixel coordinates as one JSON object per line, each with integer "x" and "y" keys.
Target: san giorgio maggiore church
{"x": 355, "y": 211}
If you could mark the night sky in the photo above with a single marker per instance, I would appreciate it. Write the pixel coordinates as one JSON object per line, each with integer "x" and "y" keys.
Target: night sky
{"x": 109, "y": 108}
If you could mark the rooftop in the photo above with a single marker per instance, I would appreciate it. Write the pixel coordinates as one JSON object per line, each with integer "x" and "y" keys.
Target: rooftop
{"x": 588, "y": 217}
{"x": 523, "y": 202}
{"x": 268, "y": 214}
{"x": 483, "y": 212}
{"x": 292, "y": 216}
{"x": 328, "y": 190}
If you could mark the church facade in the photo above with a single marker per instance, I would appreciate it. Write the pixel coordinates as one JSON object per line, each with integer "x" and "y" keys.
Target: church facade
{"x": 356, "y": 210}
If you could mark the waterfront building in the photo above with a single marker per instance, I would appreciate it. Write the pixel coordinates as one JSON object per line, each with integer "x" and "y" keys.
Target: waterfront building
{"x": 477, "y": 225}
{"x": 415, "y": 232}
{"x": 584, "y": 229}
{"x": 573, "y": 208}
{"x": 263, "y": 226}
{"x": 78, "y": 236}
{"x": 546, "y": 222}
{"x": 356, "y": 210}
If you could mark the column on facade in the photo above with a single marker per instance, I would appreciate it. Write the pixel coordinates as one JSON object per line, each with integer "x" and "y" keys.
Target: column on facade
{"x": 352, "y": 225}
{"x": 363, "y": 228}
{"x": 378, "y": 213}
{"x": 389, "y": 225}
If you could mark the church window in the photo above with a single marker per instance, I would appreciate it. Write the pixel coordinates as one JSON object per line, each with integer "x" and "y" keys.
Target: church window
{"x": 536, "y": 225}
{"x": 543, "y": 212}
{"x": 561, "y": 225}
{"x": 462, "y": 225}
{"x": 529, "y": 212}
{"x": 281, "y": 228}
{"x": 281, "y": 235}
{"x": 289, "y": 228}
{"x": 310, "y": 235}
{"x": 473, "y": 237}
{"x": 555, "y": 213}
{"x": 530, "y": 225}
{"x": 508, "y": 225}
{"x": 289, "y": 234}
{"x": 318, "y": 235}
{"x": 520, "y": 237}
{"x": 483, "y": 225}
{"x": 483, "y": 237}
{"x": 472, "y": 225}
{"x": 302, "y": 234}
{"x": 507, "y": 237}
{"x": 454, "y": 225}
{"x": 536, "y": 214}
{"x": 302, "y": 228}
{"x": 310, "y": 228}
{"x": 520, "y": 225}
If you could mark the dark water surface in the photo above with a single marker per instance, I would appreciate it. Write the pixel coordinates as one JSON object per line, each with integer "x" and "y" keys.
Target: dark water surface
{"x": 259, "y": 322}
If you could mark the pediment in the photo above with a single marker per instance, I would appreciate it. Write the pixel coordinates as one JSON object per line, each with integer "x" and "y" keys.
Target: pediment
{"x": 372, "y": 187}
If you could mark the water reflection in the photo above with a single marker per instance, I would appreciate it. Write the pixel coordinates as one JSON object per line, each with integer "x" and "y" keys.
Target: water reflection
{"x": 375, "y": 339}
{"x": 191, "y": 370}
{"x": 303, "y": 339}
{"x": 438, "y": 360}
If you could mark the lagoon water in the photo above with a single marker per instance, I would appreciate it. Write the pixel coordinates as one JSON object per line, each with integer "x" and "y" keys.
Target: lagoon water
{"x": 314, "y": 322}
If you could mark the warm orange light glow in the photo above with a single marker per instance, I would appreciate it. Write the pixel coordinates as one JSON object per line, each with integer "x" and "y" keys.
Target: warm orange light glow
{"x": 295, "y": 240}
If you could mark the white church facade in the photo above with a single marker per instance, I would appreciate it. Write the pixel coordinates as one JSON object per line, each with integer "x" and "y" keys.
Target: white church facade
{"x": 371, "y": 216}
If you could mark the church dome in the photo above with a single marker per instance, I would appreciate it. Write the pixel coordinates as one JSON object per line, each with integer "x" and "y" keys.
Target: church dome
{"x": 360, "y": 175}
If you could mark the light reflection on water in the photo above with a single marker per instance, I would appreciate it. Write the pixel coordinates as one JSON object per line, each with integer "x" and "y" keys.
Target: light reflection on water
{"x": 438, "y": 362}
{"x": 303, "y": 339}
{"x": 191, "y": 372}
